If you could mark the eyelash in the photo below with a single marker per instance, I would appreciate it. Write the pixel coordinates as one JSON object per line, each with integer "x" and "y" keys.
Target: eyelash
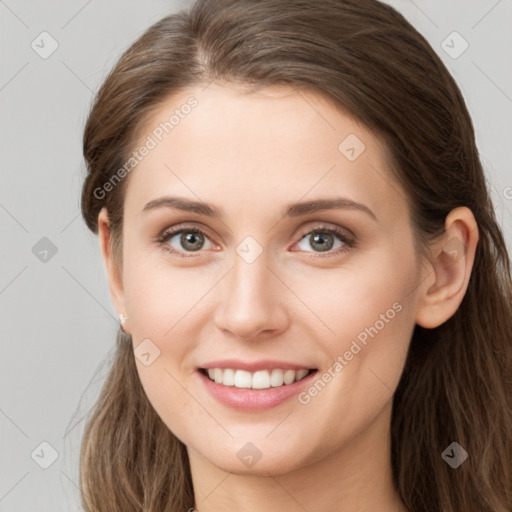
{"x": 349, "y": 242}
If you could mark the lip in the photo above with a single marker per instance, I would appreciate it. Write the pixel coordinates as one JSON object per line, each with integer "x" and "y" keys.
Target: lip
{"x": 246, "y": 399}
{"x": 255, "y": 366}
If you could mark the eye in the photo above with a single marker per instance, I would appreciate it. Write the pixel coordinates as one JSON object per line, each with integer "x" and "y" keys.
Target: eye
{"x": 190, "y": 240}
{"x": 323, "y": 239}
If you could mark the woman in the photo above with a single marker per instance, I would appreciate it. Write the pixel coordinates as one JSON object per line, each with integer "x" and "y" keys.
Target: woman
{"x": 314, "y": 293}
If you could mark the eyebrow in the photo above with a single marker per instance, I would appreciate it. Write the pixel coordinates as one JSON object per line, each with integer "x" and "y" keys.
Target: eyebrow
{"x": 291, "y": 210}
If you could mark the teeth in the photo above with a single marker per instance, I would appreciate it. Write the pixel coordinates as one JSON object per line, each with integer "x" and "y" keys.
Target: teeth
{"x": 262, "y": 379}
{"x": 301, "y": 374}
{"x": 242, "y": 379}
{"x": 289, "y": 376}
{"x": 276, "y": 378}
{"x": 228, "y": 379}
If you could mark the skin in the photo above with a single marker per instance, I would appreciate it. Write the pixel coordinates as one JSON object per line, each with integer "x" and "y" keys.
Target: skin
{"x": 252, "y": 154}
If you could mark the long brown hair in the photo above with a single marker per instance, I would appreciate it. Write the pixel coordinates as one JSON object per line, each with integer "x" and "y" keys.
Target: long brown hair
{"x": 457, "y": 382}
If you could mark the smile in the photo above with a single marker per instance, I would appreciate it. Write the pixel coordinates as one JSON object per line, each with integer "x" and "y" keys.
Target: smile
{"x": 257, "y": 390}
{"x": 263, "y": 379}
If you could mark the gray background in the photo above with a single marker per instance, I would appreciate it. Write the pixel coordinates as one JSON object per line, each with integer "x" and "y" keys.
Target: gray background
{"x": 57, "y": 323}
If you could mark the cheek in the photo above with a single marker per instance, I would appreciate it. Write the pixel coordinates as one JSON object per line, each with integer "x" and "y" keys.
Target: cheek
{"x": 369, "y": 311}
{"x": 379, "y": 323}
{"x": 165, "y": 390}
{"x": 374, "y": 290}
{"x": 159, "y": 300}
{"x": 158, "y": 295}
{"x": 163, "y": 303}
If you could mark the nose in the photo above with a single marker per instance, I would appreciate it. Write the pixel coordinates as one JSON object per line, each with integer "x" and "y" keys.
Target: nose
{"x": 252, "y": 299}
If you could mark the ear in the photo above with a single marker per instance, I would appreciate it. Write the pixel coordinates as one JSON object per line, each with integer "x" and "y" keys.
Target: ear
{"x": 114, "y": 274}
{"x": 443, "y": 290}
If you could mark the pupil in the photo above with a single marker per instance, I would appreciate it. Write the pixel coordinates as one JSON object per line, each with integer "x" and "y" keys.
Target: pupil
{"x": 188, "y": 239}
{"x": 324, "y": 246}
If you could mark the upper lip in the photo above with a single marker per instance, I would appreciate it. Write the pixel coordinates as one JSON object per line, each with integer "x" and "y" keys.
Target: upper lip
{"x": 255, "y": 366}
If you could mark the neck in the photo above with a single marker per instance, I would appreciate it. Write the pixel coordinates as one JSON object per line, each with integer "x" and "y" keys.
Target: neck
{"x": 356, "y": 477}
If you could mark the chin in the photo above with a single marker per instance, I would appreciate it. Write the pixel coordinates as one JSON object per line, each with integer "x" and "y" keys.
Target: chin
{"x": 256, "y": 458}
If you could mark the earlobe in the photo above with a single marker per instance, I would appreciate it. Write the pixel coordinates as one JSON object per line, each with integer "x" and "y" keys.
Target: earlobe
{"x": 114, "y": 277}
{"x": 452, "y": 263}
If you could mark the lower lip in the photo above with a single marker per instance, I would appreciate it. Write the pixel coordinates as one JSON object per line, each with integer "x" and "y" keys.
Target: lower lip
{"x": 247, "y": 399}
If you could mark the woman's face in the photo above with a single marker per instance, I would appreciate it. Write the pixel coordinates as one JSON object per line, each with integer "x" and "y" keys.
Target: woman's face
{"x": 268, "y": 286}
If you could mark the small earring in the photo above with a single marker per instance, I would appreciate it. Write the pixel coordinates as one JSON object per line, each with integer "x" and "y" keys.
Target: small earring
{"x": 122, "y": 318}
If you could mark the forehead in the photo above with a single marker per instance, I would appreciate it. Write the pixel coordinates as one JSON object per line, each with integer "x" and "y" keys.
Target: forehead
{"x": 229, "y": 146}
